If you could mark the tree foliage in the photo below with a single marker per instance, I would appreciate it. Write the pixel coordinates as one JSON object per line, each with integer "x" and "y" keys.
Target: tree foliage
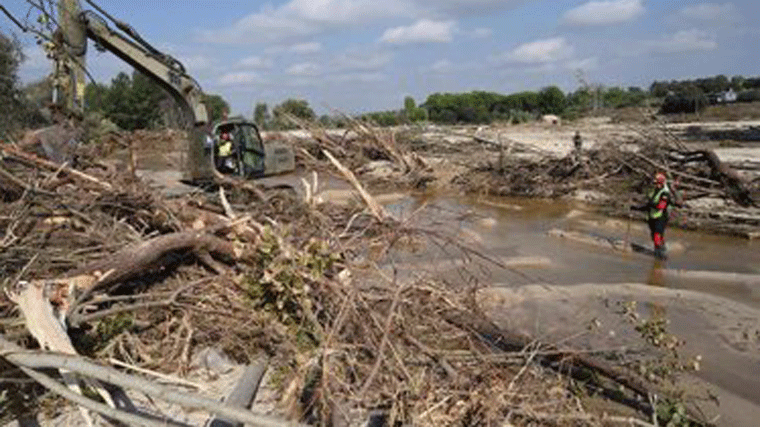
{"x": 138, "y": 102}
{"x": 14, "y": 110}
{"x": 297, "y": 107}
{"x": 130, "y": 102}
{"x": 707, "y": 86}
{"x": 551, "y": 100}
{"x": 261, "y": 115}
{"x": 412, "y": 113}
{"x": 217, "y": 107}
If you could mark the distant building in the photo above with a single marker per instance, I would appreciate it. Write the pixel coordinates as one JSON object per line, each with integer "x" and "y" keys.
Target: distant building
{"x": 551, "y": 119}
{"x": 726, "y": 97}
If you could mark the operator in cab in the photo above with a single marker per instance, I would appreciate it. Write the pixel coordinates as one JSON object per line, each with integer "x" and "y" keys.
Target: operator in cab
{"x": 225, "y": 154}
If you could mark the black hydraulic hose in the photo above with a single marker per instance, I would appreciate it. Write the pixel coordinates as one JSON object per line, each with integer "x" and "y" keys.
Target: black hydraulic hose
{"x": 13, "y": 18}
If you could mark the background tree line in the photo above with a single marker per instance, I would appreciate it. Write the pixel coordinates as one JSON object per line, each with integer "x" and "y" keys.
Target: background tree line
{"x": 138, "y": 102}
{"x": 16, "y": 110}
{"x": 692, "y": 96}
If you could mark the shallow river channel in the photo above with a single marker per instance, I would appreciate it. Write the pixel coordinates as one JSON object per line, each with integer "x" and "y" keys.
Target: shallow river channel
{"x": 552, "y": 269}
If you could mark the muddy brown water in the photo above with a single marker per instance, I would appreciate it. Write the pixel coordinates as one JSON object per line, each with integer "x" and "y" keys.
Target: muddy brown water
{"x": 572, "y": 283}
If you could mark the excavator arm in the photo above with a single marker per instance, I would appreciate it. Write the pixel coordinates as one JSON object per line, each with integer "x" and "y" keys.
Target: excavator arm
{"x": 69, "y": 54}
{"x": 76, "y": 26}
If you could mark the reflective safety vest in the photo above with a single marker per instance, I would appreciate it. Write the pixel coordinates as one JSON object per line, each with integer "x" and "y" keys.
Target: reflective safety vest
{"x": 654, "y": 199}
{"x": 225, "y": 148}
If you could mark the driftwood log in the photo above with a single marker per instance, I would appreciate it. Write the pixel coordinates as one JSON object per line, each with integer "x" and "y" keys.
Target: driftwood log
{"x": 30, "y": 361}
{"x": 143, "y": 258}
{"x": 735, "y": 186}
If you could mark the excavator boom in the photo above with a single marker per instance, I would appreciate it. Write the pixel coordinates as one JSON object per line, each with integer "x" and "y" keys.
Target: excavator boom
{"x": 69, "y": 50}
{"x": 76, "y": 26}
{"x": 69, "y": 54}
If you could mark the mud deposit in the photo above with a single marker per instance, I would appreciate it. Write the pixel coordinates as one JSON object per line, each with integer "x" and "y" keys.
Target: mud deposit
{"x": 570, "y": 292}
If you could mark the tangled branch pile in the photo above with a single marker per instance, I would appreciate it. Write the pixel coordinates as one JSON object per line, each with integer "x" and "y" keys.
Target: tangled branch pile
{"x": 619, "y": 173}
{"x": 149, "y": 281}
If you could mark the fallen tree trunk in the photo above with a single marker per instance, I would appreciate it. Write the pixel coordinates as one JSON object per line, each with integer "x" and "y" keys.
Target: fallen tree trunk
{"x": 144, "y": 257}
{"x": 510, "y": 341}
{"x": 46, "y": 164}
{"x": 735, "y": 186}
{"x": 32, "y": 360}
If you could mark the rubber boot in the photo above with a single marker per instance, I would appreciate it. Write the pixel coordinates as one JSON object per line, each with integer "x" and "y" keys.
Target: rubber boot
{"x": 660, "y": 252}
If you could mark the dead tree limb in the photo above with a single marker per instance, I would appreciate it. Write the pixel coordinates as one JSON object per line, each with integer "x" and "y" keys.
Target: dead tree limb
{"x": 735, "y": 186}
{"x": 139, "y": 259}
{"x": 244, "y": 393}
{"x": 503, "y": 340}
{"x": 376, "y": 209}
{"x": 510, "y": 341}
{"x": 46, "y": 164}
{"x": 40, "y": 360}
{"x": 85, "y": 402}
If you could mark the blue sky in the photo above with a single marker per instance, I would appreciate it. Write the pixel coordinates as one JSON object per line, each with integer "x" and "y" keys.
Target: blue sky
{"x": 367, "y": 55}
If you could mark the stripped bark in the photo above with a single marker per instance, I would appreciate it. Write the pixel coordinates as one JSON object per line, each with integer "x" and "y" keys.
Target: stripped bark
{"x": 33, "y": 360}
{"x": 735, "y": 186}
{"x": 377, "y": 210}
{"x": 145, "y": 257}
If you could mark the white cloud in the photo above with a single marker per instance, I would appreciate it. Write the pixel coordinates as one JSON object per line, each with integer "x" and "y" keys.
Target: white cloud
{"x": 303, "y": 18}
{"x": 458, "y": 8}
{"x": 711, "y": 12}
{"x": 304, "y": 48}
{"x": 343, "y": 11}
{"x": 585, "y": 64}
{"x": 304, "y": 69}
{"x": 423, "y": 31}
{"x": 443, "y": 66}
{"x": 197, "y": 62}
{"x": 358, "y": 77}
{"x": 256, "y": 62}
{"x": 604, "y": 12}
{"x": 538, "y": 52}
{"x": 481, "y": 33}
{"x": 693, "y": 40}
{"x": 362, "y": 60}
{"x": 240, "y": 79}
{"x": 298, "y": 18}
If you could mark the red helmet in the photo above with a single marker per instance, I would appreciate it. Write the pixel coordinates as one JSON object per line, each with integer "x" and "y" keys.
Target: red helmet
{"x": 660, "y": 178}
{"x": 225, "y": 135}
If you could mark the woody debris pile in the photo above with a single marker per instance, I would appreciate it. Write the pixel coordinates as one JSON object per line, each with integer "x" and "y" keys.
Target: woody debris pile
{"x": 112, "y": 290}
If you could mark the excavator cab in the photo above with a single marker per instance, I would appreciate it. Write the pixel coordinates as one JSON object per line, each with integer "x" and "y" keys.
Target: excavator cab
{"x": 247, "y": 148}
{"x": 251, "y": 157}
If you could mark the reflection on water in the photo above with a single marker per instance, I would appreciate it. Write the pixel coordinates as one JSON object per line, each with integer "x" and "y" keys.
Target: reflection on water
{"x": 504, "y": 228}
{"x": 513, "y": 229}
{"x": 656, "y": 276}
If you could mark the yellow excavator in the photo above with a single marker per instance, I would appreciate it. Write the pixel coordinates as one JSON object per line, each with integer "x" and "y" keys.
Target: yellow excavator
{"x": 253, "y": 158}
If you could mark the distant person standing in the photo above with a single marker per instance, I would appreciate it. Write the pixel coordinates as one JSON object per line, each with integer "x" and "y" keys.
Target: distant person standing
{"x": 657, "y": 207}
{"x": 578, "y": 145}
